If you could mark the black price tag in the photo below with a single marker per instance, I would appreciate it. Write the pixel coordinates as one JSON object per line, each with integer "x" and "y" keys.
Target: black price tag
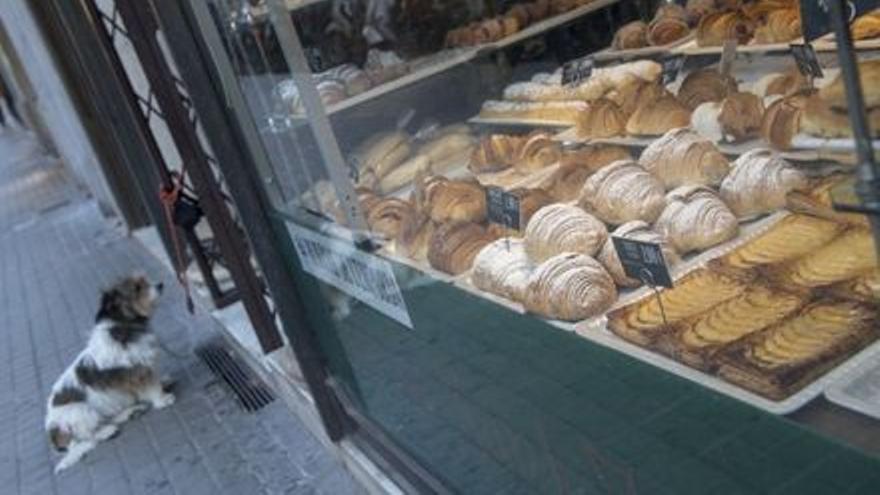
{"x": 643, "y": 261}
{"x": 503, "y": 208}
{"x": 578, "y": 70}
{"x": 816, "y": 18}
{"x": 806, "y": 59}
{"x": 671, "y": 67}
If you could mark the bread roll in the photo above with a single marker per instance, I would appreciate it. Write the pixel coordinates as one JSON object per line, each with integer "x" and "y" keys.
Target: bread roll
{"x": 603, "y": 119}
{"x": 705, "y": 85}
{"x": 631, "y": 35}
{"x": 503, "y": 268}
{"x": 758, "y": 183}
{"x": 570, "y": 287}
{"x": 561, "y": 228}
{"x": 447, "y": 145}
{"x": 715, "y": 28}
{"x": 538, "y": 150}
{"x": 639, "y": 231}
{"x": 681, "y": 157}
{"x": 834, "y": 94}
{"x": 696, "y": 219}
{"x": 622, "y": 192}
{"x": 455, "y": 200}
{"x": 656, "y": 117}
{"x": 383, "y": 153}
{"x": 782, "y": 120}
{"x": 495, "y": 152}
{"x": 454, "y": 245}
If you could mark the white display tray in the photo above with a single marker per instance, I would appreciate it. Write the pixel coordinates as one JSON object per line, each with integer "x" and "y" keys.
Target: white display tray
{"x": 858, "y": 387}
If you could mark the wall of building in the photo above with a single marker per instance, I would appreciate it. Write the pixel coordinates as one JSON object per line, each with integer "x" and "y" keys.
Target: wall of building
{"x": 52, "y": 101}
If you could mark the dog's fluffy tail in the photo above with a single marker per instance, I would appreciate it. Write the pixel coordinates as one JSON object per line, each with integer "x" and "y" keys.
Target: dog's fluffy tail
{"x": 60, "y": 439}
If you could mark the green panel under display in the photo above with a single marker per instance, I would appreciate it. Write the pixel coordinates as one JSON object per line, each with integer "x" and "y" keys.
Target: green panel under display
{"x": 491, "y": 401}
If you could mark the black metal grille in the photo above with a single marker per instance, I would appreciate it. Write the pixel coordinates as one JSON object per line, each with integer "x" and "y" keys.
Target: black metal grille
{"x": 250, "y": 392}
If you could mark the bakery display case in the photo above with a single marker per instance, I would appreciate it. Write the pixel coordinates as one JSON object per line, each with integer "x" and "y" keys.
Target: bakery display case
{"x": 588, "y": 246}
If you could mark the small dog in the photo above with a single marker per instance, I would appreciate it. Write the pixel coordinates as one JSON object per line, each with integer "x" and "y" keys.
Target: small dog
{"x": 113, "y": 378}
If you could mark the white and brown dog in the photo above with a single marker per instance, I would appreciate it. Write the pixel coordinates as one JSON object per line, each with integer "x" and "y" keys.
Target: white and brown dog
{"x": 113, "y": 378}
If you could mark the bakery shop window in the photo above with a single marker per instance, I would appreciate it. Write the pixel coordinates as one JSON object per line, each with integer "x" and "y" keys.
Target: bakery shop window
{"x": 493, "y": 190}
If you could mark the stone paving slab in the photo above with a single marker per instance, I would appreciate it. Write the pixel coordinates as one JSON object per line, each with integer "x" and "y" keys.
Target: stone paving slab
{"x": 56, "y": 253}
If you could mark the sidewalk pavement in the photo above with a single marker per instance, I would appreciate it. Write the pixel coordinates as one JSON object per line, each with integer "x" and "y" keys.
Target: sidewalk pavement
{"x": 56, "y": 253}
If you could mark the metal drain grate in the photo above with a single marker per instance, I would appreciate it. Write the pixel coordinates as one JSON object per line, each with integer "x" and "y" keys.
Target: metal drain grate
{"x": 251, "y": 393}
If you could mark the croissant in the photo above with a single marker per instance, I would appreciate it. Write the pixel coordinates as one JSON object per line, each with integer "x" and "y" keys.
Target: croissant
{"x": 656, "y": 117}
{"x": 741, "y": 115}
{"x": 639, "y": 231}
{"x": 503, "y": 268}
{"x": 696, "y": 9}
{"x": 782, "y": 120}
{"x": 758, "y": 183}
{"x": 631, "y": 35}
{"x": 664, "y": 30}
{"x": 866, "y": 26}
{"x": 454, "y": 245}
{"x": 682, "y": 156}
{"x": 622, "y": 192}
{"x": 539, "y": 150}
{"x": 561, "y": 228}
{"x": 495, "y": 152}
{"x": 704, "y": 85}
{"x": 387, "y": 215}
{"x": 530, "y": 201}
{"x": 834, "y": 94}
{"x": 696, "y": 219}
{"x": 570, "y": 287}
{"x": 576, "y": 166}
{"x": 455, "y": 200}
{"x": 780, "y": 26}
{"x": 603, "y": 119}
{"x": 780, "y": 83}
{"x": 716, "y": 28}
{"x": 414, "y": 236}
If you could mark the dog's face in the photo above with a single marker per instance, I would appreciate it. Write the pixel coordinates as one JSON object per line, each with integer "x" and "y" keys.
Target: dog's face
{"x": 131, "y": 298}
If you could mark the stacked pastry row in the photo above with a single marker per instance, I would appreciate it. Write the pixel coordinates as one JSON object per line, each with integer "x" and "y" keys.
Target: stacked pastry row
{"x": 772, "y": 314}
{"x": 387, "y": 162}
{"x": 671, "y": 22}
{"x": 515, "y": 19}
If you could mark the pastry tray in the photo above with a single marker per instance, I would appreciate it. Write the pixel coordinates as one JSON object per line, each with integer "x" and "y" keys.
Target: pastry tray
{"x": 858, "y": 387}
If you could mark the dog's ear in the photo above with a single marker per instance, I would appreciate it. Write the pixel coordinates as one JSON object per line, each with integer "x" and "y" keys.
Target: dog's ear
{"x": 109, "y": 306}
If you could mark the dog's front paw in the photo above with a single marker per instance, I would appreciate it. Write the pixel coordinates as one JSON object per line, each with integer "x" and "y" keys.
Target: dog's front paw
{"x": 163, "y": 401}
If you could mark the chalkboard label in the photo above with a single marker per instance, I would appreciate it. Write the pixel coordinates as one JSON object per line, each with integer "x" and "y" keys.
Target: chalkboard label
{"x": 671, "y": 67}
{"x": 806, "y": 59}
{"x": 643, "y": 261}
{"x": 816, "y": 15}
{"x": 577, "y": 70}
{"x": 503, "y": 208}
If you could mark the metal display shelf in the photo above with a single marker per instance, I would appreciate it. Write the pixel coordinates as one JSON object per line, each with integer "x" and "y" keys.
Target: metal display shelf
{"x": 820, "y": 45}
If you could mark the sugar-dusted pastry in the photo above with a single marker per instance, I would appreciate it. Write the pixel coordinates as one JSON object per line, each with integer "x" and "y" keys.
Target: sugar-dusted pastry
{"x": 415, "y": 235}
{"x": 631, "y": 35}
{"x": 533, "y": 91}
{"x": 639, "y": 231}
{"x": 495, "y": 152}
{"x": 454, "y": 245}
{"x": 715, "y": 28}
{"x": 562, "y": 228}
{"x": 847, "y": 256}
{"x": 603, "y": 119}
{"x": 695, "y": 293}
{"x": 704, "y": 85}
{"x": 621, "y": 192}
{"x": 503, "y": 268}
{"x": 834, "y": 94}
{"x": 653, "y": 118}
{"x": 782, "y": 120}
{"x": 695, "y": 218}
{"x": 681, "y": 157}
{"x": 455, "y": 200}
{"x": 790, "y": 238}
{"x": 758, "y": 183}
{"x": 570, "y": 287}
{"x": 538, "y": 150}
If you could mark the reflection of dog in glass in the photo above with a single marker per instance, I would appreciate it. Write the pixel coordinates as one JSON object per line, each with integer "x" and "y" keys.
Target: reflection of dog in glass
{"x": 113, "y": 378}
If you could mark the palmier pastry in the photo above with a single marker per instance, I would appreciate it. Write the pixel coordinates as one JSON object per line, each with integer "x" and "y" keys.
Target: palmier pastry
{"x": 503, "y": 268}
{"x": 454, "y": 245}
{"x": 639, "y": 231}
{"x": 387, "y": 215}
{"x": 653, "y": 118}
{"x": 716, "y": 28}
{"x": 570, "y": 287}
{"x": 603, "y": 119}
{"x": 562, "y": 228}
{"x": 455, "y": 200}
{"x": 631, "y": 35}
{"x": 782, "y": 120}
{"x": 834, "y": 94}
{"x": 705, "y": 85}
{"x": 681, "y": 157}
{"x": 758, "y": 183}
{"x": 538, "y": 150}
{"x": 696, "y": 219}
{"x": 495, "y": 152}
{"x": 847, "y": 256}
{"x": 622, "y": 192}
{"x": 415, "y": 236}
